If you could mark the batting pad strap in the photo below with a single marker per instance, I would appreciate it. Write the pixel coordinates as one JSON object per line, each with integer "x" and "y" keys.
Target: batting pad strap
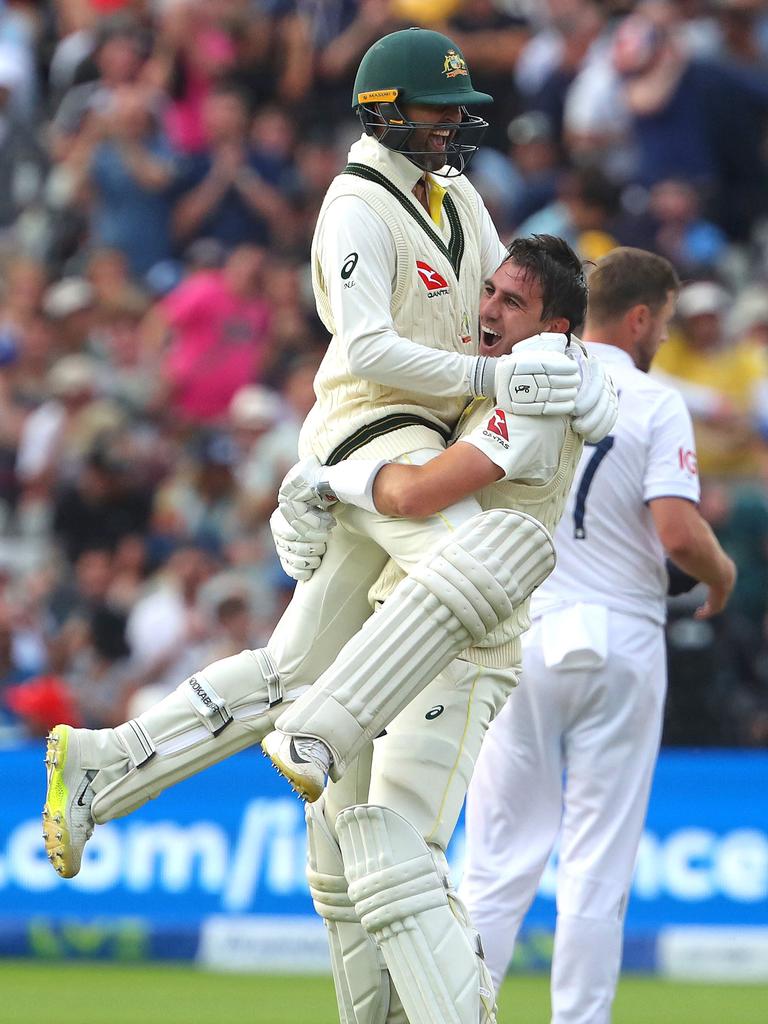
{"x": 137, "y": 741}
{"x": 271, "y": 676}
{"x": 385, "y": 897}
{"x": 210, "y": 708}
{"x": 330, "y": 897}
{"x": 468, "y": 589}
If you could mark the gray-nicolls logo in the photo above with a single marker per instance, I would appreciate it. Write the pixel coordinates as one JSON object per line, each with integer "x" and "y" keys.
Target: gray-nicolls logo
{"x": 525, "y": 388}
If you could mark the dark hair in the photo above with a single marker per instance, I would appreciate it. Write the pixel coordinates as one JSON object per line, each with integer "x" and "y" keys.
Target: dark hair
{"x": 557, "y": 268}
{"x": 627, "y": 277}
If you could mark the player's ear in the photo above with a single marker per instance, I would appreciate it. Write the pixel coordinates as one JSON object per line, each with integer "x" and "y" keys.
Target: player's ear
{"x": 638, "y": 316}
{"x": 560, "y": 325}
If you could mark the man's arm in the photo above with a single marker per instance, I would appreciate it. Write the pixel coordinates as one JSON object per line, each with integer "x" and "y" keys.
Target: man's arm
{"x": 690, "y": 543}
{"x": 357, "y": 257}
{"x": 416, "y": 492}
{"x": 500, "y": 447}
{"x": 671, "y": 491}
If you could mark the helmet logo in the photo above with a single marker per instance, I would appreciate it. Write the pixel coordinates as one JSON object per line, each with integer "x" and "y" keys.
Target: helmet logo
{"x": 454, "y": 64}
{"x": 378, "y": 96}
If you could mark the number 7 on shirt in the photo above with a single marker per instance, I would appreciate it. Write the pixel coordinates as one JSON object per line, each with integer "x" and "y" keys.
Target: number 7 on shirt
{"x": 601, "y": 450}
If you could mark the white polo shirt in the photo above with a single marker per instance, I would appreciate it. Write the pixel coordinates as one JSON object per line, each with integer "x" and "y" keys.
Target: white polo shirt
{"x": 608, "y": 550}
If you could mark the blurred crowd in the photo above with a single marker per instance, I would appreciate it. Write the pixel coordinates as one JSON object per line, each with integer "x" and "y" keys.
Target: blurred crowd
{"x": 162, "y": 163}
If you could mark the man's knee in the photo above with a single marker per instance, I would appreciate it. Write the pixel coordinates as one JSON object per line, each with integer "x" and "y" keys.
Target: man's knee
{"x": 587, "y": 896}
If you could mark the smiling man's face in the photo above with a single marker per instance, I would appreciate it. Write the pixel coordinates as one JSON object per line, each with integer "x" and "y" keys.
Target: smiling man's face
{"x": 511, "y": 310}
{"x": 432, "y": 142}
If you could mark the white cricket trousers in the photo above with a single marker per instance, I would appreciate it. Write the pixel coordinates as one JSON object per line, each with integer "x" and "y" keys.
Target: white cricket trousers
{"x": 572, "y": 753}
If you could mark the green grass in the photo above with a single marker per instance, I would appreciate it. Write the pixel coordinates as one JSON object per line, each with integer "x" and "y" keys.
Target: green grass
{"x": 76, "y": 993}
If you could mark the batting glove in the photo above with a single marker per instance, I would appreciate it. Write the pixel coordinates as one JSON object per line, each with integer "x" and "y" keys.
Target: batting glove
{"x": 299, "y": 554}
{"x": 537, "y": 379}
{"x": 597, "y": 404}
{"x": 300, "y": 500}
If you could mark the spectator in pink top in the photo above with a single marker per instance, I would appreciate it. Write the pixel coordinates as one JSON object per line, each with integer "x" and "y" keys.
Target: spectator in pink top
{"x": 219, "y": 321}
{"x": 193, "y": 49}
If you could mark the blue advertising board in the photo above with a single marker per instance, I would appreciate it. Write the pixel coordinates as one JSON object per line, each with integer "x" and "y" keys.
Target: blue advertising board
{"x": 229, "y": 846}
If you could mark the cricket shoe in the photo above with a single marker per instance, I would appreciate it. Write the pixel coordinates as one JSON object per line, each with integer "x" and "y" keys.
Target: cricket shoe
{"x": 67, "y": 820}
{"x": 303, "y": 760}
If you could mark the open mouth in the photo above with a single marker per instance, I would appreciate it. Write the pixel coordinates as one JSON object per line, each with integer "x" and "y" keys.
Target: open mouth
{"x": 490, "y": 340}
{"x": 438, "y": 139}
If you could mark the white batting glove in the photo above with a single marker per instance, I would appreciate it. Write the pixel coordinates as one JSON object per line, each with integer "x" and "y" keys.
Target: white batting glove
{"x": 597, "y": 404}
{"x": 299, "y": 554}
{"x": 537, "y": 379}
{"x": 302, "y": 505}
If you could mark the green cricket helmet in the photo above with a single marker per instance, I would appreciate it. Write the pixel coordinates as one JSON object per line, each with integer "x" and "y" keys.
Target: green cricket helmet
{"x": 417, "y": 65}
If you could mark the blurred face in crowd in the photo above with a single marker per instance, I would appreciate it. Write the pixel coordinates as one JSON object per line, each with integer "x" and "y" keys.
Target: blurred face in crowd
{"x": 93, "y": 572}
{"x": 299, "y": 387}
{"x": 703, "y": 331}
{"x": 318, "y": 162}
{"x": 119, "y": 60}
{"x": 225, "y": 118}
{"x": 674, "y": 202}
{"x": 245, "y": 268}
{"x": 191, "y": 567}
{"x": 272, "y": 131}
{"x": 511, "y": 309}
{"x": 121, "y": 339}
{"x": 652, "y": 331}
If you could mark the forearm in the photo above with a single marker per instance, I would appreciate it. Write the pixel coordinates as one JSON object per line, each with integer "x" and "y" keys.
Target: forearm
{"x": 345, "y": 49}
{"x": 406, "y": 491}
{"x": 384, "y": 357}
{"x": 196, "y": 205}
{"x": 149, "y": 172}
{"x": 416, "y": 492}
{"x": 699, "y": 554}
{"x": 261, "y": 197}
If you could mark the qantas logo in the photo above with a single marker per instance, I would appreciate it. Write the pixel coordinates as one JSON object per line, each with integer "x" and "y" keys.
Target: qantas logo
{"x": 497, "y": 424}
{"x": 435, "y": 283}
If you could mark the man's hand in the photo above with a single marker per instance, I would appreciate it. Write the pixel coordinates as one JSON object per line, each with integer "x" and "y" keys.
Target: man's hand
{"x": 597, "y": 404}
{"x": 719, "y": 592}
{"x": 299, "y": 553}
{"x": 540, "y": 380}
{"x": 302, "y": 505}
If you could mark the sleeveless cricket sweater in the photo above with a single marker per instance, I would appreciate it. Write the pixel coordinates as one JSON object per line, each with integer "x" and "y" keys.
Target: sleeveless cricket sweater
{"x": 356, "y": 418}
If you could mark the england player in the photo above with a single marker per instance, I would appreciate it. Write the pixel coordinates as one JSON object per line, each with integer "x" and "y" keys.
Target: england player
{"x": 397, "y": 276}
{"x": 574, "y": 749}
